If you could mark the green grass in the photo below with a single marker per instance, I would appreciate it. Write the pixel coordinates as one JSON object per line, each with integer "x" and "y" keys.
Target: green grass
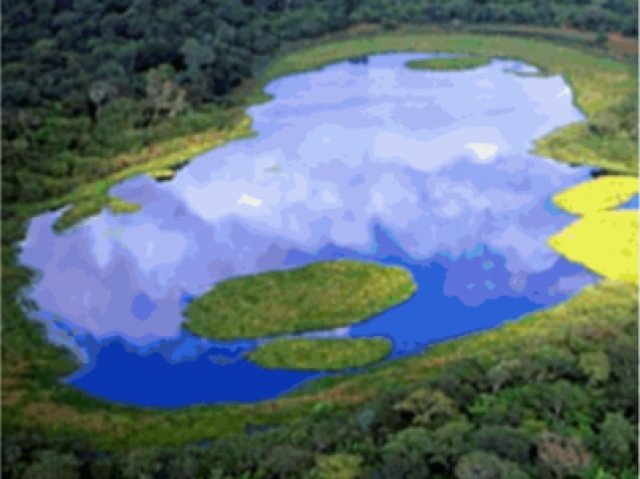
{"x": 320, "y": 354}
{"x": 319, "y": 296}
{"x": 446, "y": 64}
{"x": 32, "y": 397}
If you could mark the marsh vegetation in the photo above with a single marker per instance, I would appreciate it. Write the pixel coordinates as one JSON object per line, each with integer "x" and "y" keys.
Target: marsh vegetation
{"x": 323, "y": 354}
{"x": 319, "y": 296}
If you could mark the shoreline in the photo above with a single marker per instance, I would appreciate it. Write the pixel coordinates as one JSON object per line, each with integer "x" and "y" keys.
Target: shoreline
{"x": 140, "y": 420}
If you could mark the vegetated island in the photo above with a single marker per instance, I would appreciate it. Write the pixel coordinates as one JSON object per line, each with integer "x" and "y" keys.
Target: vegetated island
{"x": 323, "y": 354}
{"x": 458, "y": 63}
{"x": 319, "y": 296}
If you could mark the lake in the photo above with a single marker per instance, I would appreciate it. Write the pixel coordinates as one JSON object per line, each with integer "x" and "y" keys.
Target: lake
{"x": 360, "y": 160}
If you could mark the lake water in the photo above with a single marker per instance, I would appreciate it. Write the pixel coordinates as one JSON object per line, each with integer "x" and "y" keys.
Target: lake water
{"x": 368, "y": 161}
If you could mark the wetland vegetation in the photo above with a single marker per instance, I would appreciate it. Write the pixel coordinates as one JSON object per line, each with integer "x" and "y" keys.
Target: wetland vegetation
{"x": 319, "y": 296}
{"x": 552, "y": 395}
{"x": 449, "y": 63}
{"x": 323, "y": 354}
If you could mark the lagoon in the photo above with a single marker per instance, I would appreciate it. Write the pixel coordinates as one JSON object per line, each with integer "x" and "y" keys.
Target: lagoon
{"x": 372, "y": 161}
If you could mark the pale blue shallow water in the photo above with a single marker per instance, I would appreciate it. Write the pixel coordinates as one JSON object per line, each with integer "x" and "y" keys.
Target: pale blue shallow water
{"x": 370, "y": 161}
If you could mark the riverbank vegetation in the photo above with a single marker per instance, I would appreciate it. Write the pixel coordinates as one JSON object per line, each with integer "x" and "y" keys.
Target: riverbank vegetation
{"x": 320, "y": 354}
{"x": 462, "y": 63}
{"x": 89, "y": 95}
{"x": 319, "y": 296}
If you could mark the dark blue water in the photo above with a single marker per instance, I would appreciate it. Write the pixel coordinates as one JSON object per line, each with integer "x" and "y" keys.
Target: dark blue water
{"x": 458, "y": 295}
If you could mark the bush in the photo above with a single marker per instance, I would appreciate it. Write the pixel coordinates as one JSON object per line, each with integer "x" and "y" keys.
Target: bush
{"x": 137, "y": 463}
{"x": 506, "y": 442}
{"x": 286, "y": 462}
{"x": 483, "y": 465}
{"x": 616, "y": 438}
{"x": 53, "y": 465}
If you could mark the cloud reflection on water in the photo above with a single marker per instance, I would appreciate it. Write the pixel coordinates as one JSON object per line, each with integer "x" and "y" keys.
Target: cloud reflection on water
{"x": 338, "y": 150}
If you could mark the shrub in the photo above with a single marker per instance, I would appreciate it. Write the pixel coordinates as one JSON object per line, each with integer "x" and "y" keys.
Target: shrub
{"x": 506, "y": 442}
{"x": 337, "y": 466}
{"x": 141, "y": 463}
{"x": 428, "y": 407}
{"x": 562, "y": 455}
{"x": 51, "y": 464}
{"x": 286, "y": 462}
{"x": 187, "y": 463}
{"x": 616, "y": 438}
{"x": 484, "y": 465}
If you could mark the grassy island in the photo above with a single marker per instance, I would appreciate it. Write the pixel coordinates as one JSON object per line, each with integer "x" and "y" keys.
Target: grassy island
{"x": 319, "y": 296}
{"x": 320, "y": 354}
{"x": 459, "y": 63}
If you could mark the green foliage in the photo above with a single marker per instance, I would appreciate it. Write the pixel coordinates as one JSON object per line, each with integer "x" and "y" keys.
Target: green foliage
{"x": 484, "y": 465}
{"x": 141, "y": 463}
{"x": 428, "y": 407}
{"x": 617, "y": 436}
{"x": 562, "y": 455}
{"x": 320, "y": 354}
{"x": 596, "y": 365}
{"x": 507, "y": 442}
{"x": 337, "y": 466}
{"x": 286, "y": 462}
{"x": 52, "y": 465}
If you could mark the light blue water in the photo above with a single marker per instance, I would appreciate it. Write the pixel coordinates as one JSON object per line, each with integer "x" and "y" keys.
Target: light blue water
{"x": 367, "y": 160}
{"x": 632, "y": 204}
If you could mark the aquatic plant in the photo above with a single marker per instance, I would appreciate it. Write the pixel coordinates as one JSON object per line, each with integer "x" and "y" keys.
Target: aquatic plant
{"x": 320, "y": 354}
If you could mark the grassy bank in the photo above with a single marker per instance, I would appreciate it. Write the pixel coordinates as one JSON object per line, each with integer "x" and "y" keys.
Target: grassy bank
{"x": 319, "y": 296}
{"x": 34, "y": 400}
{"x": 320, "y": 354}
{"x": 449, "y": 64}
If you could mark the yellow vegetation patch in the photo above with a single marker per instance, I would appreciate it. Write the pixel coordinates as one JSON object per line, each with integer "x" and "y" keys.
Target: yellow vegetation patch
{"x": 606, "y": 242}
{"x": 604, "y": 193}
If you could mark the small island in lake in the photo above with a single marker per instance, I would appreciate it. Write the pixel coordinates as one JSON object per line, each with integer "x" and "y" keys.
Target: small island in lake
{"x": 323, "y": 354}
{"x": 320, "y": 296}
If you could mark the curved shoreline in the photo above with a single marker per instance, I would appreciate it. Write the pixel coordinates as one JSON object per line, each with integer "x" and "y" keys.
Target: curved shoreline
{"x": 128, "y": 425}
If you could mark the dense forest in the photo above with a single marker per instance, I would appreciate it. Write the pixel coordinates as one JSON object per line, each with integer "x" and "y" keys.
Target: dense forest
{"x": 85, "y": 80}
{"x": 76, "y": 71}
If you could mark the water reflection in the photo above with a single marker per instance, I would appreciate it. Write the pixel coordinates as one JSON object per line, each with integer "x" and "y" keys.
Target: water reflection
{"x": 425, "y": 169}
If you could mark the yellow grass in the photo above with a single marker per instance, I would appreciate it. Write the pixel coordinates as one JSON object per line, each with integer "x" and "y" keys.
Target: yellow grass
{"x": 607, "y": 192}
{"x": 606, "y": 242}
